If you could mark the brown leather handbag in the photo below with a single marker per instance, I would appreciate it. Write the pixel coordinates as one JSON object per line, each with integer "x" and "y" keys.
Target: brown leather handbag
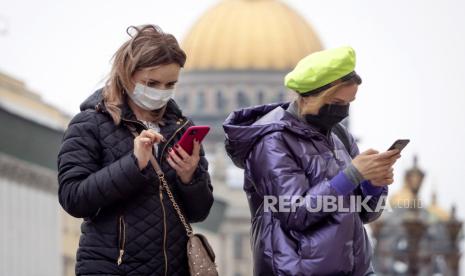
{"x": 200, "y": 255}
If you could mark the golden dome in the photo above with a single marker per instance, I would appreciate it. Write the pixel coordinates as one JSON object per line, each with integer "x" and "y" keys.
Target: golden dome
{"x": 249, "y": 34}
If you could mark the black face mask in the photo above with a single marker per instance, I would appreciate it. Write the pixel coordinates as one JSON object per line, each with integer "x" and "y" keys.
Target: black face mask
{"x": 328, "y": 116}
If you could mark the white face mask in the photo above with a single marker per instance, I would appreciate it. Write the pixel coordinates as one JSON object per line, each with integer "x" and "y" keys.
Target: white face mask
{"x": 150, "y": 98}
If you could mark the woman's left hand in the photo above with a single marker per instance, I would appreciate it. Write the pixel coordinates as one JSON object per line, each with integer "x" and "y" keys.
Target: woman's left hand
{"x": 184, "y": 164}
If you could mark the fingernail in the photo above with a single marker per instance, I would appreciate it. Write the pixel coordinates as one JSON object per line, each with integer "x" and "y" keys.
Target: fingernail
{"x": 170, "y": 149}
{"x": 177, "y": 146}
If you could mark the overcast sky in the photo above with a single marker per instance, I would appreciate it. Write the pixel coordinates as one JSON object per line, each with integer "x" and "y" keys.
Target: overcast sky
{"x": 411, "y": 56}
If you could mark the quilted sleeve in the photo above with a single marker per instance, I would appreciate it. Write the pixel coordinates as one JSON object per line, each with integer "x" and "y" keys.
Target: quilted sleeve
{"x": 84, "y": 185}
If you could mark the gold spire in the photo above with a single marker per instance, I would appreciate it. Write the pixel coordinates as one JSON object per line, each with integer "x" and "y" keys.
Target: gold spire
{"x": 436, "y": 210}
{"x": 408, "y": 194}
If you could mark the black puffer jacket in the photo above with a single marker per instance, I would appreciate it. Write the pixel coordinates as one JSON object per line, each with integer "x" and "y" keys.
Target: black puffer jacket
{"x": 99, "y": 180}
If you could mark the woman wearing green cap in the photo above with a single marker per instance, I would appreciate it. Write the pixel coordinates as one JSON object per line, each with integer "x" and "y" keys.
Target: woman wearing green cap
{"x": 290, "y": 153}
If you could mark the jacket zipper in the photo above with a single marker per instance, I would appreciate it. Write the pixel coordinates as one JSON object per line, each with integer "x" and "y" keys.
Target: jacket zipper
{"x": 137, "y": 122}
{"x": 332, "y": 146}
{"x": 164, "y": 228}
{"x": 328, "y": 140}
{"x": 161, "y": 198}
{"x": 169, "y": 140}
{"x": 121, "y": 238}
{"x": 161, "y": 201}
{"x": 122, "y": 224}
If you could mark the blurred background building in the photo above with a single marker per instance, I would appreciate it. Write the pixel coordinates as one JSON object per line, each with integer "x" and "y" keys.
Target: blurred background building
{"x": 31, "y": 225}
{"x": 417, "y": 237}
{"x": 238, "y": 53}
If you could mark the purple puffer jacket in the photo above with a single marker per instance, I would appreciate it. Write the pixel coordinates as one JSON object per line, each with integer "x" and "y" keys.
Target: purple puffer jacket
{"x": 282, "y": 155}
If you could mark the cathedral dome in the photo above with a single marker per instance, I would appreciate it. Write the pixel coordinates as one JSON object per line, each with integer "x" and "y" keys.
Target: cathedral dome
{"x": 249, "y": 34}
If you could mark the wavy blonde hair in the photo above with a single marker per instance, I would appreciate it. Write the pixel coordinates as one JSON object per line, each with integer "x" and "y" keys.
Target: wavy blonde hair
{"x": 148, "y": 47}
{"x": 321, "y": 98}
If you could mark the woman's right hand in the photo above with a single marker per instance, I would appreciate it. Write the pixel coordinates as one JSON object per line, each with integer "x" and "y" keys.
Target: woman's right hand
{"x": 376, "y": 166}
{"x": 143, "y": 146}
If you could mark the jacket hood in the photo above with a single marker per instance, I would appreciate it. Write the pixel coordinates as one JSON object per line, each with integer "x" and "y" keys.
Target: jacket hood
{"x": 92, "y": 100}
{"x": 245, "y": 127}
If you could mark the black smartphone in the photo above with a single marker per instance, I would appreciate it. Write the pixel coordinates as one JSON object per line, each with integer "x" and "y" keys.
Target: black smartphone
{"x": 399, "y": 144}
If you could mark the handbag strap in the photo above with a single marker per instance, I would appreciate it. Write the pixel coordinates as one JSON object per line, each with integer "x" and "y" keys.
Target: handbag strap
{"x": 164, "y": 186}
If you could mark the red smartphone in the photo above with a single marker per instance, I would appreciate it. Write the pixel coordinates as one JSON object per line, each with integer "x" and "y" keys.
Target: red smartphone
{"x": 193, "y": 132}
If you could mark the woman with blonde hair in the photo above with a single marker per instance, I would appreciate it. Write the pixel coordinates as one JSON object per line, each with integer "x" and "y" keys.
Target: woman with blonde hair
{"x": 129, "y": 225}
{"x": 294, "y": 162}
